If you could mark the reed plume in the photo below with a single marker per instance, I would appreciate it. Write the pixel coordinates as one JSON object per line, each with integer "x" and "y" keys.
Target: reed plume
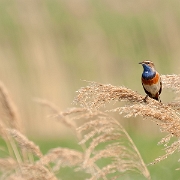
{"x": 9, "y": 113}
{"x": 98, "y": 129}
{"x": 96, "y": 96}
{"x": 106, "y": 149}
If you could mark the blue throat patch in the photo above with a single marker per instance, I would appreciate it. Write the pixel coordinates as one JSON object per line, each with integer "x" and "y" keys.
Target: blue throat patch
{"x": 148, "y": 73}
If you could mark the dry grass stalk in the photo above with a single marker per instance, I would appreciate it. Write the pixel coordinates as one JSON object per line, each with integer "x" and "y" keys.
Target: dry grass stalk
{"x": 9, "y": 142}
{"x": 101, "y": 136}
{"x": 165, "y": 140}
{"x": 8, "y": 109}
{"x": 166, "y": 117}
{"x": 97, "y": 129}
{"x": 58, "y": 114}
{"x": 65, "y": 117}
{"x": 7, "y": 164}
{"x": 171, "y": 82}
{"x": 24, "y": 143}
{"x": 102, "y": 130}
{"x": 36, "y": 172}
{"x": 33, "y": 171}
{"x": 15, "y": 177}
{"x": 2, "y": 130}
{"x": 169, "y": 150}
{"x": 113, "y": 168}
{"x": 66, "y": 157}
{"x": 97, "y": 95}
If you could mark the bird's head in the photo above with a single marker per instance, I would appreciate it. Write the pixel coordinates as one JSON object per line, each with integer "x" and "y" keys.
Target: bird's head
{"x": 148, "y": 65}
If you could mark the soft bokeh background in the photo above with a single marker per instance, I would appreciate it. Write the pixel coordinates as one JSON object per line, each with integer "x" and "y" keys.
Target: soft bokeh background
{"x": 47, "y": 47}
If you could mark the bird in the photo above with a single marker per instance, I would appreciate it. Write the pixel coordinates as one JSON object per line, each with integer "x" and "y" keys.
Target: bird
{"x": 151, "y": 80}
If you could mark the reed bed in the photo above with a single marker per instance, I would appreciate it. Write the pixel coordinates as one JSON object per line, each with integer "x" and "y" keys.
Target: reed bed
{"x": 101, "y": 137}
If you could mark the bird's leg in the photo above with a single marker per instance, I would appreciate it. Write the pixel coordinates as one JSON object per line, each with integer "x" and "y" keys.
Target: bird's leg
{"x": 159, "y": 99}
{"x": 145, "y": 98}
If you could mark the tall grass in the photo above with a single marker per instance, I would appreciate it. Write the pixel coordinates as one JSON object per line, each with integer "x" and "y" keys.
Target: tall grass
{"x": 107, "y": 151}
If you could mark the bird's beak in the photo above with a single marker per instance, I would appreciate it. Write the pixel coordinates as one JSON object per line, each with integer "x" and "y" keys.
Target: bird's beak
{"x": 141, "y": 63}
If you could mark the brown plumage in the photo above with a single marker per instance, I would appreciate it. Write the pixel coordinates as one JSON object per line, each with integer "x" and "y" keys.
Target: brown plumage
{"x": 151, "y": 80}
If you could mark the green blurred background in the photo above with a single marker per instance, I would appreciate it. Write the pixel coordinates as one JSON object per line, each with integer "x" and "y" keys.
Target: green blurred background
{"x": 47, "y": 47}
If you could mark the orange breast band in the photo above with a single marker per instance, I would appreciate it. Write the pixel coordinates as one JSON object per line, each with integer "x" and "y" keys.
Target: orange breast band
{"x": 152, "y": 81}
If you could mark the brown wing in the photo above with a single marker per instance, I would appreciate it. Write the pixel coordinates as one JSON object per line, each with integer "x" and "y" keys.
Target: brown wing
{"x": 160, "y": 90}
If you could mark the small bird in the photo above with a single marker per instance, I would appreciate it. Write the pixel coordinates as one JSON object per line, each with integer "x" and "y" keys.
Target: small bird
{"x": 151, "y": 80}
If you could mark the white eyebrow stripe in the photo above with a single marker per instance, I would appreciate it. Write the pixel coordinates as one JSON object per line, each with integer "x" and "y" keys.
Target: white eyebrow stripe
{"x": 148, "y": 61}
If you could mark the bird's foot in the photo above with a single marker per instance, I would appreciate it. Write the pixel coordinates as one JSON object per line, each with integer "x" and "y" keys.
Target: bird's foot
{"x": 145, "y": 99}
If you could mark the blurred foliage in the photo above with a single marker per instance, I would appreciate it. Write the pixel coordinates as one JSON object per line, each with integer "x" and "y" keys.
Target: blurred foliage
{"x": 48, "y": 46}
